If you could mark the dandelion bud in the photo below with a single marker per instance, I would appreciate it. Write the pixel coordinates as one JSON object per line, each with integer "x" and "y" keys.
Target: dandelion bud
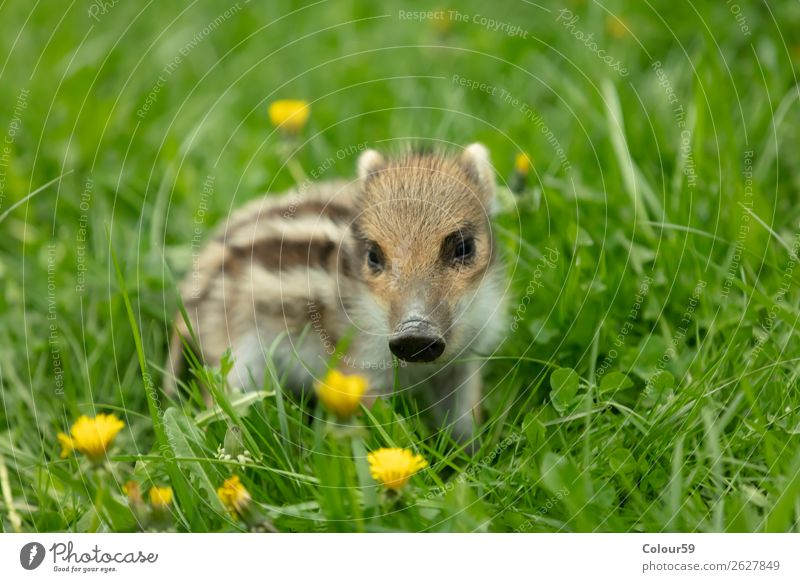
{"x": 289, "y": 115}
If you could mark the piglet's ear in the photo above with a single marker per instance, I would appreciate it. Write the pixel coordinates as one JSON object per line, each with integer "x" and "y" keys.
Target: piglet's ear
{"x": 475, "y": 160}
{"x": 370, "y": 162}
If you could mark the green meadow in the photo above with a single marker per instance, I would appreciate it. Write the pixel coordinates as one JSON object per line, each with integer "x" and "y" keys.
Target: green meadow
{"x": 648, "y": 380}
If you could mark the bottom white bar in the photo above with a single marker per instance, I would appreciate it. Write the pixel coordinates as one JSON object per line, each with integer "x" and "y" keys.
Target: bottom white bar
{"x": 390, "y": 557}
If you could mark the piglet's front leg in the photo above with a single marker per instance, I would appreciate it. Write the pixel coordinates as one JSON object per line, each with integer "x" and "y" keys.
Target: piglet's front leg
{"x": 456, "y": 390}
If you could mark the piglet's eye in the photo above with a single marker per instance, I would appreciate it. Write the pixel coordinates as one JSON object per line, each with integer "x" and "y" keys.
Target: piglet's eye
{"x": 458, "y": 248}
{"x": 374, "y": 257}
{"x": 464, "y": 249}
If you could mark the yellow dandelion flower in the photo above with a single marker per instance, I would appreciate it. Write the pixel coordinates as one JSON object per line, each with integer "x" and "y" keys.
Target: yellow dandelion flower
{"x": 522, "y": 163}
{"x": 341, "y": 393}
{"x": 518, "y": 181}
{"x": 289, "y": 115}
{"x": 160, "y": 497}
{"x": 91, "y": 436}
{"x": 394, "y": 467}
{"x": 234, "y": 496}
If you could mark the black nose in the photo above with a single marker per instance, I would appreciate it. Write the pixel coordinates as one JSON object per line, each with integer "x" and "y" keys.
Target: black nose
{"x": 416, "y": 346}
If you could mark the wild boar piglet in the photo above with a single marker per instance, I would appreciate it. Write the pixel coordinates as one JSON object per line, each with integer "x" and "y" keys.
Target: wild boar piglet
{"x": 400, "y": 261}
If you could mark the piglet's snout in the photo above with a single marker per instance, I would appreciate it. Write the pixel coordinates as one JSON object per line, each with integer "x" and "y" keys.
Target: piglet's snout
{"x": 416, "y": 340}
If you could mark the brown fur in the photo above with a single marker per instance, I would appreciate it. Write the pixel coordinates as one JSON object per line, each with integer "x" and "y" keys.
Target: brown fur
{"x": 290, "y": 275}
{"x": 410, "y": 206}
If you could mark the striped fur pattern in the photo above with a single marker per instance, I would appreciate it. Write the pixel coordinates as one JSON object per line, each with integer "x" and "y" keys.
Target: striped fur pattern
{"x": 409, "y": 239}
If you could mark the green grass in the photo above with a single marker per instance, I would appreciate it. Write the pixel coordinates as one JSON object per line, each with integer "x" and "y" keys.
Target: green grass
{"x": 659, "y": 255}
